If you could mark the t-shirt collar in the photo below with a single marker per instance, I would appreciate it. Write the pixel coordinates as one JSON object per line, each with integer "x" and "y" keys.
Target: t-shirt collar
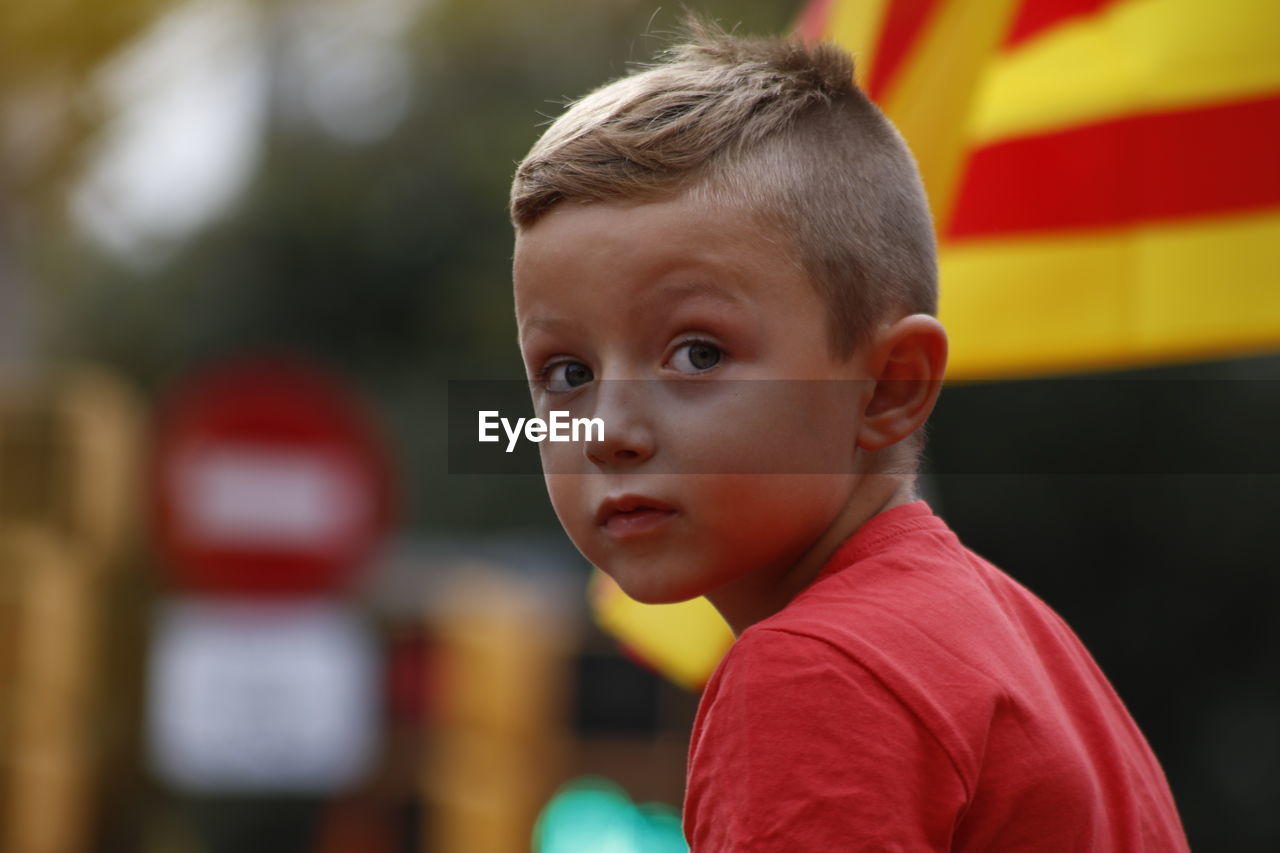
{"x": 875, "y": 531}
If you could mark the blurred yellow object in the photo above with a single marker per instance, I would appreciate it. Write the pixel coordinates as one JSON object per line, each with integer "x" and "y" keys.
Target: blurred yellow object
{"x": 70, "y": 464}
{"x": 500, "y": 724}
{"x": 71, "y": 458}
{"x": 683, "y": 641}
{"x": 47, "y": 754}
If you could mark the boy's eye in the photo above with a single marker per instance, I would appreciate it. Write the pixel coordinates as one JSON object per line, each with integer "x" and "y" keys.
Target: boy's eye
{"x": 696, "y": 356}
{"x": 566, "y": 375}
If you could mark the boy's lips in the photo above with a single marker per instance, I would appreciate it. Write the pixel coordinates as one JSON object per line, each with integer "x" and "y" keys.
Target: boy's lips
{"x": 627, "y": 515}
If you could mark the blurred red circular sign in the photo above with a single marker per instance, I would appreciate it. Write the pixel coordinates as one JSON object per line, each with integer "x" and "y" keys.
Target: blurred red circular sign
{"x": 268, "y": 479}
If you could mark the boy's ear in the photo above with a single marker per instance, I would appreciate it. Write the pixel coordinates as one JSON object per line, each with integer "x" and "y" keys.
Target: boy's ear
{"x": 906, "y": 361}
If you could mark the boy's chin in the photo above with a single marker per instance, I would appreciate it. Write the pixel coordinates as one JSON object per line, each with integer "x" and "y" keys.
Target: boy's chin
{"x": 646, "y": 591}
{"x": 668, "y": 598}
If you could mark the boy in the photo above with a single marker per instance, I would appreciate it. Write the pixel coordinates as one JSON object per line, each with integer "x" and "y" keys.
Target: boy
{"x": 742, "y": 212}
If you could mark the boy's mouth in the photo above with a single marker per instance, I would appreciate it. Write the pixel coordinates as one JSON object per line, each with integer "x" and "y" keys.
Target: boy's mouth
{"x": 632, "y": 514}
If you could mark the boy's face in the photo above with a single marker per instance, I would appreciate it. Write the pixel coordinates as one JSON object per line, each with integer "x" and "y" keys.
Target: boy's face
{"x": 637, "y": 314}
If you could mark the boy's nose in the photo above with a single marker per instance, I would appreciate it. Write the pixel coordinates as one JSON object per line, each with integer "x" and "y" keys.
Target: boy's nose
{"x": 628, "y": 434}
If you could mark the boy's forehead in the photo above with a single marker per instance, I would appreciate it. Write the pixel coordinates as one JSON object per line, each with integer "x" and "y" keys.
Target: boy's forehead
{"x": 578, "y": 231}
{"x": 550, "y": 295}
{"x": 643, "y": 241}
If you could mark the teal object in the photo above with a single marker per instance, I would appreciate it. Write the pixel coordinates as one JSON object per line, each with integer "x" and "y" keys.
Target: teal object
{"x": 664, "y": 833}
{"x": 592, "y": 814}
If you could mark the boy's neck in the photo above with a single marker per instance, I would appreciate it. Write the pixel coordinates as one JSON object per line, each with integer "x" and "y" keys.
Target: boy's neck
{"x": 750, "y": 599}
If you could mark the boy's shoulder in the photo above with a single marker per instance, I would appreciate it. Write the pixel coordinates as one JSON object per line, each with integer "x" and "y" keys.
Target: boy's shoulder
{"x": 902, "y": 585}
{"x": 805, "y": 736}
{"x": 900, "y": 606}
{"x": 900, "y": 609}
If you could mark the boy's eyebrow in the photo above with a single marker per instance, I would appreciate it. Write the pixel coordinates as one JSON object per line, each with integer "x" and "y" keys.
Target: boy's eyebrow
{"x": 548, "y": 323}
{"x": 685, "y": 288}
{"x": 661, "y": 294}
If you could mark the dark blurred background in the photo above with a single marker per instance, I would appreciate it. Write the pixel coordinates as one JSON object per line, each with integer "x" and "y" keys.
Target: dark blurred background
{"x": 185, "y": 182}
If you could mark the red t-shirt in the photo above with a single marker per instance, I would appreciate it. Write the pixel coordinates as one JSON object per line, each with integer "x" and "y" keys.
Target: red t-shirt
{"x": 914, "y": 697}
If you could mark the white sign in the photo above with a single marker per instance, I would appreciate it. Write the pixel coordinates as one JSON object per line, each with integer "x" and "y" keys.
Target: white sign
{"x": 250, "y": 696}
{"x": 245, "y": 496}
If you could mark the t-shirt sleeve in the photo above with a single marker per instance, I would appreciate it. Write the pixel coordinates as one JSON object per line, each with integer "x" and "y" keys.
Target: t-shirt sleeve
{"x": 802, "y": 749}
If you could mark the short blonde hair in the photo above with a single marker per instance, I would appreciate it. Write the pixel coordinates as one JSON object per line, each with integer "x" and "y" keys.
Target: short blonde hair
{"x": 775, "y": 128}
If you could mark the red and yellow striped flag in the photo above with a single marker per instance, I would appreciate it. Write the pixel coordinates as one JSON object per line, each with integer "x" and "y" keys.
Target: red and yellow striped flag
{"x": 1111, "y": 194}
{"x": 1105, "y": 178}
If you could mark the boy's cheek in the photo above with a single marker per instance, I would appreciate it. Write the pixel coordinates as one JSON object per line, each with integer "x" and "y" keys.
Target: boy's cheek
{"x": 567, "y": 496}
{"x": 576, "y": 497}
{"x": 767, "y": 427}
{"x": 560, "y": 457}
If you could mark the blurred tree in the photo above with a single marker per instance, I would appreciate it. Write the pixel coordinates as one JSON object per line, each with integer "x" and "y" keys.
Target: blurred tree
{"x": 47, "y": 53}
